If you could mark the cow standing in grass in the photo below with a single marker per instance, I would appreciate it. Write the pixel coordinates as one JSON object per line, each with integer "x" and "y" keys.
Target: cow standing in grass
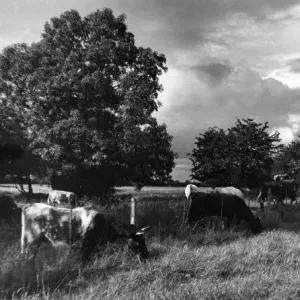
{"x": 44, "y": 223}
{"x": 280, "y": 190}
{"x": 62, "y": 197}
{"x": 230, "y": 190}
{"x": 226, "y": 206}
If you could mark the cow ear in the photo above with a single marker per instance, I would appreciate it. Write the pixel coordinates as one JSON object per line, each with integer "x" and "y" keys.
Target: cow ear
{"x": 139, "y": 233}
{"x": 142, "y": 231}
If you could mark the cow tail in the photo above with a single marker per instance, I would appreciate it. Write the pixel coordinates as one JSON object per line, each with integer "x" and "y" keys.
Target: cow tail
{"x": 259, "y": 199}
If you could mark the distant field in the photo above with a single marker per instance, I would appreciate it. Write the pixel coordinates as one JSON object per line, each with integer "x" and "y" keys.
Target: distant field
{"x": 148, "y": 191}
{"x": 37, "y": 188}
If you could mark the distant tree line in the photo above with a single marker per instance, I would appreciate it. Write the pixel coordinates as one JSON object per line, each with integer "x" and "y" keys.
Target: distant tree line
{"x": 76, "y": 107}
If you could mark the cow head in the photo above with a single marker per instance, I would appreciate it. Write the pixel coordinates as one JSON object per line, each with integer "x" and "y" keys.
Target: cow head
{"x": 136, "y": 243}
{"x": 257, "y": 226}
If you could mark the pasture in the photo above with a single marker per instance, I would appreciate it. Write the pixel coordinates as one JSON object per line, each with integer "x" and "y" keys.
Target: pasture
{"x": 207, "y": 263}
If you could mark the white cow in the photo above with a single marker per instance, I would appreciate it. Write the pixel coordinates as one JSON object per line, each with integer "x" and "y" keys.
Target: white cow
{"x": 44, "y": 223}
{"x": 62, "y": 197}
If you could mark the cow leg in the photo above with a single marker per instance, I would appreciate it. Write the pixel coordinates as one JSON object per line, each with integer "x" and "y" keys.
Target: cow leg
{"x": 36, "y": 249}
{"x": 88, "y": 245}
{"x": 261, "y": 203}
{"x": 30, "y": 250}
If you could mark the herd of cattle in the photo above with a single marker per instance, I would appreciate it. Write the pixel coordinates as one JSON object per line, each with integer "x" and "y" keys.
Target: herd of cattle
{"x": 55, "y": 225}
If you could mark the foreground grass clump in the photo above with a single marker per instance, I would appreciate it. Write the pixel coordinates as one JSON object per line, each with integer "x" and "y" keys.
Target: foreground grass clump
{"x": 260, "y": 267}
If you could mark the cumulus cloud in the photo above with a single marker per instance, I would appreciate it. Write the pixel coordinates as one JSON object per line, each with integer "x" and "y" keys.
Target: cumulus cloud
{"x": 286, "y": 134}
{"x": 214, "y": 71}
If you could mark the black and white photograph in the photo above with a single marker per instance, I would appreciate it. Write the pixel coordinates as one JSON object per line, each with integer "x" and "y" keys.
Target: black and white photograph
{"x": 149, "y": 149}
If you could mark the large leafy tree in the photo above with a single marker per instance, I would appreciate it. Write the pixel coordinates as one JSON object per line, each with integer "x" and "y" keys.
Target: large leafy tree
{"x": 255, "y": 148}
{"x": 88, "y": 93}
{"x": 241, "y": 155}
{"x": 16, "y": 158}
{"x": 212, "y": 157}
{"x": 288, "y": 159}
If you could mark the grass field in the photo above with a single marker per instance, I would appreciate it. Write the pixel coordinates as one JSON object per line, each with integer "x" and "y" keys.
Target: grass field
{"x": 209, "y": 263}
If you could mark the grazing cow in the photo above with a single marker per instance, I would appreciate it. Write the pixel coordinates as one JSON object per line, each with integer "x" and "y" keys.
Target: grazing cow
{"x": 229, "y": 190}
{"x": 281, "y": 190}
{"x": 62, "y": 197}
{"x": 45, "y": 223}
{"x": 280, "y": 177}
{"x": 9, "y": 209}
{"x": 229, "y": 206}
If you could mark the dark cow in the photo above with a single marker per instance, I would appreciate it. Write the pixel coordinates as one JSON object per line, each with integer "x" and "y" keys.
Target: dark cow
{"x": 280, "y": 190}
{"x": 45, "y": 223}
{"x": 228, "y": 206}
{"x": 9, "y": 209}
{"x": 62, "y": 197}
{"x": 229, "y": 190}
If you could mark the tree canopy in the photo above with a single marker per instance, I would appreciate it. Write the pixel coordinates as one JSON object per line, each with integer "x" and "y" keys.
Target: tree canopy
{"x": 288, "y": 159}
{"x": 86, "y": 93}
{"x": 240, "y": 155}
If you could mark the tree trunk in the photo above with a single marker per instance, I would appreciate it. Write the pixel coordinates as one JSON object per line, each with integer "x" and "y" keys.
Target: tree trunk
{"x": 30, "y": 190}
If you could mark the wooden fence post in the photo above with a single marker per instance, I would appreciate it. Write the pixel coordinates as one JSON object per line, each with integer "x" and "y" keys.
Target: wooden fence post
{"x": 132, "y": 212}
{"x": 70, "y": 223}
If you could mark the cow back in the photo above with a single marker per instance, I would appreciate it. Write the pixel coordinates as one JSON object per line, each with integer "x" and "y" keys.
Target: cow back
{"x": 62, "y": 197}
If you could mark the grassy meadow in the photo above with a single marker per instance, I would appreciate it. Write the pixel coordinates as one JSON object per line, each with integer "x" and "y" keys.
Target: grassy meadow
{"x": 204, "y": 263}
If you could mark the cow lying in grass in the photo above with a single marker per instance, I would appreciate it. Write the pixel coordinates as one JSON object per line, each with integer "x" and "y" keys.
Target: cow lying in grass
{"x": 44, "y": 223}
{"x": 227, "y": 206}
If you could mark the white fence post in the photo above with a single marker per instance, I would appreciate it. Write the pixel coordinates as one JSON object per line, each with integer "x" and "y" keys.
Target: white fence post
{"x": 132, "y": 212}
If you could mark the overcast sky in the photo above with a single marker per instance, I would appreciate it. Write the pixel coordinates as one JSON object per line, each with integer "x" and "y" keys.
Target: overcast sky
{"x": 227, "y": 59}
